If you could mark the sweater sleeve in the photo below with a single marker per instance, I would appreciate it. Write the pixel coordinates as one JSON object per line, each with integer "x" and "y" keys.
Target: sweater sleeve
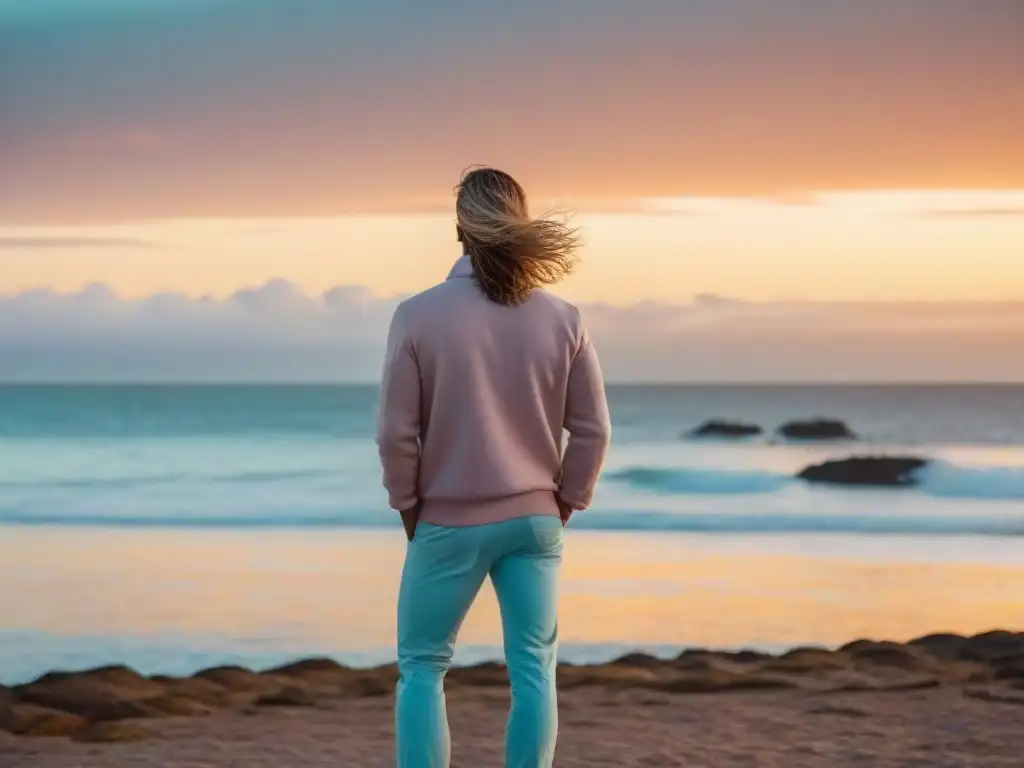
{"x": 399, "y": 417}
{"x": 589, "y": 427}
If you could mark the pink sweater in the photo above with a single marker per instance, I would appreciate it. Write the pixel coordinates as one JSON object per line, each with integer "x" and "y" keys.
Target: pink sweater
{"x": 474, "y": 399}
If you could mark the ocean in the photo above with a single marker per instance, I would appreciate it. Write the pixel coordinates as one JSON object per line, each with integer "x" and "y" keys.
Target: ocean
{"x": 177, "y": 526}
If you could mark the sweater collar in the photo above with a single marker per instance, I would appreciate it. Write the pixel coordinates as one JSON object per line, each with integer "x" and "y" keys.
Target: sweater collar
{"x": 462, "y": 268}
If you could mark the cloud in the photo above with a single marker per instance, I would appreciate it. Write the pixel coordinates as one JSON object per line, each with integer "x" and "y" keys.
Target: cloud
{"x": 276, "y": 333}
{"x": 25, "y": 243}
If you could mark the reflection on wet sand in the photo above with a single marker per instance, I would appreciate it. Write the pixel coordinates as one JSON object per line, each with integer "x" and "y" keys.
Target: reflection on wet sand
{"x": 301, "y": 592}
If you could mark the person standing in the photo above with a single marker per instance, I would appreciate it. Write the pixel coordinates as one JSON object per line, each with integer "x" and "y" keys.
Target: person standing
{"x": 482, "y": 374}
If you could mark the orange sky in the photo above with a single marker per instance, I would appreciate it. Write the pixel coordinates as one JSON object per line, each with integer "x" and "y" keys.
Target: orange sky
{"x": 232, "y": 143}
{"x": 208, "y": 108}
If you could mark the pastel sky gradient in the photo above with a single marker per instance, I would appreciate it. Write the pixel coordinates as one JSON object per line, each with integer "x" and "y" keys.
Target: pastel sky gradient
{"x": 841, "y": 154}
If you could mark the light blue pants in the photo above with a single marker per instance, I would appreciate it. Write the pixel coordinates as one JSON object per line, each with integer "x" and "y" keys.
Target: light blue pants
{"x": 444, "y": 570}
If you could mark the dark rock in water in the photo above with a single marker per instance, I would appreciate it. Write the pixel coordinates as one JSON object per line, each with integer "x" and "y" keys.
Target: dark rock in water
{"x": 817, "y": 429}
{"x": 721, "y": 428}
{"x": 892, "y": 471}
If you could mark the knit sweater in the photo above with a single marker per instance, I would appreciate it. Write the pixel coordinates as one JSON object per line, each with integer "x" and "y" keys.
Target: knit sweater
{"x": 474, "y": 400}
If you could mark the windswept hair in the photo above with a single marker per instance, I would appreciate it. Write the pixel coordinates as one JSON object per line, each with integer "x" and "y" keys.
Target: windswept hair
{"x": 511, "y": 253}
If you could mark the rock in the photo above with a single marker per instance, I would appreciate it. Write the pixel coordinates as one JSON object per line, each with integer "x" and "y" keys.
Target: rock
{"x": 287, "y": 697}
{"x": 33, "y": 720}
{"x": 748, "y": 657}
{"x": 126, "y": 680}
{"x": 179, "y": 706}
{"x": 891, "y": 471}
{"x": 570, "y": 677}
{"x": 638, "y": 660}
{"x": 1008, "y": 667}
{"x": 239, "y": 679}
{"x": 197, "y": 689}
{"x": 707, "y": 662}
{"x": 480, "y": 675}
{"x": 89, "y": 697}
{"x": 890, "y": 654}
{"x": 989, "y": 646}
{"x": 111, "y": 733}
{"x": 946, "y": 646}
{"x": 817, "y": 429}
{"x": 309, "y": 667}
{"x": 365, "y": 683}
{"x": 802, "y": 661}
{"x": 722, "y": 428}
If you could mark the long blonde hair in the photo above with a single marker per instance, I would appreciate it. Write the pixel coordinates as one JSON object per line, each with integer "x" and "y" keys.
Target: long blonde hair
{"x": 511, "y": 253}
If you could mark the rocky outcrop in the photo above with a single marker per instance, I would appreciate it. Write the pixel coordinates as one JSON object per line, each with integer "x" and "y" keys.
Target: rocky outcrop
{"x": 887, "y": 471}
{"x": 106, "y": 705}
{"x": 722, "y": 428}
{"x": 817, "y": 429}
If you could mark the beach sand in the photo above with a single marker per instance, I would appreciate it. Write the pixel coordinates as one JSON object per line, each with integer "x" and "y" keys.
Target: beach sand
{"x": 938, "y": 701}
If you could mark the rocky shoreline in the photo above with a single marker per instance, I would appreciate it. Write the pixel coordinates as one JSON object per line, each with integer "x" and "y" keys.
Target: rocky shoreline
{"x": 114, "y": 703}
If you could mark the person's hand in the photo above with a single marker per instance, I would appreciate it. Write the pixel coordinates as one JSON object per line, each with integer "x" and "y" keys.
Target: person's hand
{"x": 564, "y": 510}
{"x": 410, "y": 517}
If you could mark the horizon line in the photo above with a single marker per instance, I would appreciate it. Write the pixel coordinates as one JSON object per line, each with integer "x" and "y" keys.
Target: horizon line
{"x": 255, "y": 383}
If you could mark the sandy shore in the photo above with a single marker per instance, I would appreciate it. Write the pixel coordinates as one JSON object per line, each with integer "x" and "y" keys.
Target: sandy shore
{"x": 939, "y": 701}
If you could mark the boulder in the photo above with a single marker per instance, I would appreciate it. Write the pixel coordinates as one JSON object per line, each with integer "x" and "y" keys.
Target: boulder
{"x": 639, "y": 660}
{"x": 808, "y": 660}
{"x": 309, "y": 667}
{"x": 890, "y": 471}
{"x": 489, "y": 673}
{"x": 241, "y": 680}
{"x": 179, "y": 706}
{"x": 889, "y": 654}
{"x": 33, "y": 720}
{"x": 993, "y": 645}
{"x": 722, "y": 428}
{"x": 287, "y": 697}
{"x": 1009, "y": 668}
{"x": 943, "y": 645}
{"x": 197, "y": 689}
{"x": 90, "y": 697}
{"x": 817, "y": 429}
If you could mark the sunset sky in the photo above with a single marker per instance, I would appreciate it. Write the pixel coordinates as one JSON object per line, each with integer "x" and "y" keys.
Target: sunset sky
{"x": 765, "y": 153}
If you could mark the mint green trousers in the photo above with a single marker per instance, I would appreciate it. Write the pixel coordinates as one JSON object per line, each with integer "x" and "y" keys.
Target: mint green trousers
{"x": 444, "y": 570}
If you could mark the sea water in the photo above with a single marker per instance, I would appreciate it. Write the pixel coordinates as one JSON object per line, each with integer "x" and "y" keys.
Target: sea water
{"x": 176, "y": 526}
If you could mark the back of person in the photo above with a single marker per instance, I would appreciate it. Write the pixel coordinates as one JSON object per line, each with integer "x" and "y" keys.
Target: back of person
{"x": 482, "y": 374}
{"x": 495, "y": 389}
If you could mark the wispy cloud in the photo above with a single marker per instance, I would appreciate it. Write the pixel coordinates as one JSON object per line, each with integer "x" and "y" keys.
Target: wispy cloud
{"x": 275, "y": 332}
{"x": 24, "y": 243}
